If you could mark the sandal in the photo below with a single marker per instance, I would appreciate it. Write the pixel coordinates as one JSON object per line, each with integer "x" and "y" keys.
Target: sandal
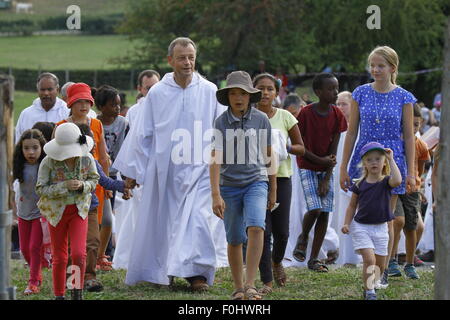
{"x": 278, "y": 274}
{"x": 238, "y": 294}
{"x": 104, "y": 264}
{"x": 31, "y": 289}
{"x": 265, "y": 290}
{"x": 199, "y": 285}
{"x": 316, "y": 265}
{"x": 299, "y": 254}
{"x": 250, "y": 293}
{"x": 332, "y": 257}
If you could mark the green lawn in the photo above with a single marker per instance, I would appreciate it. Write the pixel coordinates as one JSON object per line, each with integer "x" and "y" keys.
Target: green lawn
{"x": 46, "y": 8}
{"x": 62, "y": 52}
{"x": 303, "y": 284}
{"x": 23, "y": 99}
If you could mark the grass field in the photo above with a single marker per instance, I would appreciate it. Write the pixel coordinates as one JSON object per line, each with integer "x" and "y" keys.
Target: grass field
{"x": 48, "y": 8}
{"x": 62, "y": 52}
{"x": 303, "y": 284}
{"x": 23, "y": 99}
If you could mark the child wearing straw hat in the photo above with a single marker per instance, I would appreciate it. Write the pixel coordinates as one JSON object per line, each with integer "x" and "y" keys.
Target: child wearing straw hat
{"x": 66, "y": 178}
{"x": 242, "y": 186}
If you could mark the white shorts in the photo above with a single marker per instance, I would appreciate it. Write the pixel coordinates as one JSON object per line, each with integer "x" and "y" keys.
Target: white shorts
{"x": 370, "y": 236}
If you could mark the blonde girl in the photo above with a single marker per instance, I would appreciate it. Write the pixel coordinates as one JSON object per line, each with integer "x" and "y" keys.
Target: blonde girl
{"x": 370, "y": 200}
{"x": 381, "y": 111}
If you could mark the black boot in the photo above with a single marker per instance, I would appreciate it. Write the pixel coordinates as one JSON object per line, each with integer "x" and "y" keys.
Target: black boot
{"x": 60, "y": 298}
{"x": 77, "y": 294}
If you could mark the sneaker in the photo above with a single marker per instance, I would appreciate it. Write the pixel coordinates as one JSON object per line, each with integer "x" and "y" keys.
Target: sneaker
{"x": 370, "y": 295}
{"x": 394, "y": 269}
{"x": 418, "y": 262}
{"x": 380, "y": 285}
{"x": 410, "y": 272}
{"x": 384, "y": 282}
{"x": 93, "y": 285}
{"x": 427, "y": 257}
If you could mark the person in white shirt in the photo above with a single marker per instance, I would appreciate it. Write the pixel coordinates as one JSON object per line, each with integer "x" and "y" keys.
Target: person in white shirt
{"x": 48, "y": 107}
{"x": 146, "y": 80}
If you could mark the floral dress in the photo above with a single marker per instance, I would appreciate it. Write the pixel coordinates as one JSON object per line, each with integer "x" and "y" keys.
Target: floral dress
{"x": 380, "y": 120}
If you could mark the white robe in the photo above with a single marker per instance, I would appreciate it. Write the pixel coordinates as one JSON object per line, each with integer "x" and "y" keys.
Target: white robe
{"x": 341, "y": 201}
{"x": 172, "y": 235}
{"x": 427, "y": 242}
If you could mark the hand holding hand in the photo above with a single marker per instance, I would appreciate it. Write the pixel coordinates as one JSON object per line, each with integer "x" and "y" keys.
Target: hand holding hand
{"x": 130, "y": 183}
{"x": 127, "y": 194}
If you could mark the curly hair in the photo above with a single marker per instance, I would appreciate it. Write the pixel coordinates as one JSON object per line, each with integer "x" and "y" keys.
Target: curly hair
{"x": 19, "y": 159}
{"x": 103, "y": 95}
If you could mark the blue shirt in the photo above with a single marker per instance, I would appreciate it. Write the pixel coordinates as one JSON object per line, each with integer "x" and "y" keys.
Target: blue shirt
{"x": 107, "y": 183}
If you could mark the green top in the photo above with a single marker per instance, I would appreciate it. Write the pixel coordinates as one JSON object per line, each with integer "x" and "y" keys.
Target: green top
{"x": 54, "y": 195}
{"x": 284, "y": 121}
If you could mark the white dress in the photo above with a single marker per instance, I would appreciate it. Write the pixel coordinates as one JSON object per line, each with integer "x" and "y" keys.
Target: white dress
{"x": 172, "y": 235}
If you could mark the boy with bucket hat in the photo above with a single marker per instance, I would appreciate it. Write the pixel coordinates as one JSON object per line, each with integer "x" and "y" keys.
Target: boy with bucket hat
{"x": 241, "y": 185}
{"x": 66, "y": 178}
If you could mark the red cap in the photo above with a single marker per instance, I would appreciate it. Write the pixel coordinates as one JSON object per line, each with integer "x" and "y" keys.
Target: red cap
{"x": 79, "y": 91}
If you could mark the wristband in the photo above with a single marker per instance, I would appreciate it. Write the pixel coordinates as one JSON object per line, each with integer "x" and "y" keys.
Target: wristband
{"x": 289, "y": 148}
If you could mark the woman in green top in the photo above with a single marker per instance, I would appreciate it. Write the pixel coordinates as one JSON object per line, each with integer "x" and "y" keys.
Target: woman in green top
{"x": 284, "y": 126}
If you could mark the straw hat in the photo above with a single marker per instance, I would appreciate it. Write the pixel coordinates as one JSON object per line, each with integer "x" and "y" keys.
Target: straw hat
{"x": 242, "y": 80}
{"x": 68, "y": 143}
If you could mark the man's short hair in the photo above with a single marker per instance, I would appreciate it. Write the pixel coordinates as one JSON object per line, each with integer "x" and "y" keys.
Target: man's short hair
{"x": 182, "y": 41}
{"x": 149, "y": 74}
{"x": 65, "y": 87}
{"x": 48, "y": 75}
{"x": 293, "y": 100}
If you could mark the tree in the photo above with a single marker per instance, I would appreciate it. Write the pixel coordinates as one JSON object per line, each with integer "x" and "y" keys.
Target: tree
{"x": 294, "y": 34}
{"x": 442, "y": 218}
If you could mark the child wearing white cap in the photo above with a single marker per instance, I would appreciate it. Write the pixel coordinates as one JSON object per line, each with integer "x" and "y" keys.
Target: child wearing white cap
{"x": 66, "y": 178}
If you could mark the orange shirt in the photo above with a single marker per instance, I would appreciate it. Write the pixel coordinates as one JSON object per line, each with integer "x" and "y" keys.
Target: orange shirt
{"x": 421, "y": 154}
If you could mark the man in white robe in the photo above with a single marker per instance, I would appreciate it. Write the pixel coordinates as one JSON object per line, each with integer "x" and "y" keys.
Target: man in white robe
{"x": 164, "y": 152}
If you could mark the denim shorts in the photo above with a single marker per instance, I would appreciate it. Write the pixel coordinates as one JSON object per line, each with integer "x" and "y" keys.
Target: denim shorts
{"x": 244, "y": 207}
{"x": 310, "y": 184}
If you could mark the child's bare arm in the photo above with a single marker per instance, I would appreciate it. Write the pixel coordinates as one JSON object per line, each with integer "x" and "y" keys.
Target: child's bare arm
{"x": 350, "y": 213}
{"x": 396, "y": 177}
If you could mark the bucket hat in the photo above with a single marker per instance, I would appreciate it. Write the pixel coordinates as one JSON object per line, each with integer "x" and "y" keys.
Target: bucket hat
{"x": 68, "y": 143}
{"x": 79, "y": 91}
{"x": 370, "y": 147}
{"x": 242, "y": 80}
